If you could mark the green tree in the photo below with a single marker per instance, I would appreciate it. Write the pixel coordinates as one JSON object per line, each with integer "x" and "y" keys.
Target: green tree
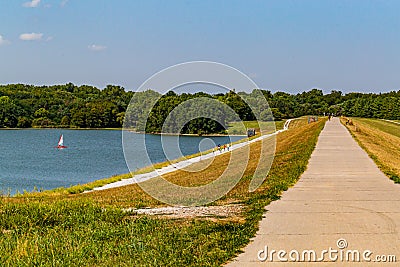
{"x": 8, "y": 112}
{"x": 65, "y": 121}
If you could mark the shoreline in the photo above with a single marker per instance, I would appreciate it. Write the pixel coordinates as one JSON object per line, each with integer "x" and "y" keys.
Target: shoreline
{"x": 195, "y": 135}
{"x": 117, "y": 129}
{"x": 147, "y": 172}
{"x": 59, "y": 128}
{"x": 182, "y": 164}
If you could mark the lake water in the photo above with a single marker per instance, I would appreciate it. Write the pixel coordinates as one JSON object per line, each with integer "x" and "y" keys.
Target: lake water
{"x": 29, "y": 159}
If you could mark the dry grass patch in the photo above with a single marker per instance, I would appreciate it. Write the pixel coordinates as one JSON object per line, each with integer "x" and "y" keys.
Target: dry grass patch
{"x": 381, "y": 140}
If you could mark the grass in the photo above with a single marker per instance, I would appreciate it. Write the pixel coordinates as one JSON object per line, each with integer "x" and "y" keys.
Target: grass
{"x": 83, "y": 234}
{"x": 393, "y": 121}
{"x": 381, "y": 140}
{"x": 90, "y": 229}
{"x": 237, "y": 127}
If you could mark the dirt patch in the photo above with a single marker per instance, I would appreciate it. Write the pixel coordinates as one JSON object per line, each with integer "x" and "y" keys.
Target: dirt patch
{"x": 220, "y": 212}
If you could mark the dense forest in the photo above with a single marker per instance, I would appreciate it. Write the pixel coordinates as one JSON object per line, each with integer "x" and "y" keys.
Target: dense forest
{"x": 72, "y": 106}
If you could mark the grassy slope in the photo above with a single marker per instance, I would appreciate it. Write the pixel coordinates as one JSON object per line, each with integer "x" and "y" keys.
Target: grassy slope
{"x": 64, "y": 229}
{"x": 381, "y": 140}
{"x": 237, "y": 127}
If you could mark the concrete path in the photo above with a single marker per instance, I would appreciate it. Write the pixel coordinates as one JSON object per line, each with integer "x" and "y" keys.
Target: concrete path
{"x": 342, "y": 204}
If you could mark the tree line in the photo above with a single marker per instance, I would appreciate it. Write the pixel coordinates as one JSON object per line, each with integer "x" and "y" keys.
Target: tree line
{"x": 69, "y": 105}
{"x": 66, "y": 105}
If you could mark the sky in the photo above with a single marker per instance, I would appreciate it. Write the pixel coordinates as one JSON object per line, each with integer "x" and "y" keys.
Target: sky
{"x": 291, "y": 46}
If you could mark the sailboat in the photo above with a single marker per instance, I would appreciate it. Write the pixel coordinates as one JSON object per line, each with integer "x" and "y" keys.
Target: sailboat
{"x": 60, "y": 144}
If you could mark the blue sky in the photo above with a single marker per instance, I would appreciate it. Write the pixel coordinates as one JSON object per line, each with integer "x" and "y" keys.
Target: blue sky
{"x": 282, "y": 45}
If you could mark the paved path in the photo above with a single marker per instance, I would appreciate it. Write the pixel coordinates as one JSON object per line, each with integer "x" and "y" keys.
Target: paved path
{"x": 342, "y": 195}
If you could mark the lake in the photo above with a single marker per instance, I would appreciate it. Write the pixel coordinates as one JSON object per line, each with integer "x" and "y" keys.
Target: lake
{"x": 29, "y": 159}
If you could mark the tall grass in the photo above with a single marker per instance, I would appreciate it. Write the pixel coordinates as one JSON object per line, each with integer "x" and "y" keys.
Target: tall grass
{"x": 82, "y": 234}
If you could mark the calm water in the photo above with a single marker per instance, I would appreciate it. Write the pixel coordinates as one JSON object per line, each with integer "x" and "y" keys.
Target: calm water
{"x": 28, "y": 158}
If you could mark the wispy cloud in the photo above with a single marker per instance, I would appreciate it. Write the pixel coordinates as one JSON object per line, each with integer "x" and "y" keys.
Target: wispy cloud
{"x": 31, "y": 36}
{"x": 95, "y": 47}
{"x": 3, "y": 41}
{"x": 32, "y": 3}
{"x": 63, "y": 3}
{"x": 253, "y": 75}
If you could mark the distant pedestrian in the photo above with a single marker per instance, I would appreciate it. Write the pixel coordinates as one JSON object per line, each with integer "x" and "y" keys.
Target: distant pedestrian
{"x": 224, "y": 147}
{"x": 329, "y": 117}
{"x": 227, "y": 146}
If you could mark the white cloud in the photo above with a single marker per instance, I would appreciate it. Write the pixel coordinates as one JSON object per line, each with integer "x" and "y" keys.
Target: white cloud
{"x": 32, "y": 3}
{"x": 95, "y": 47}
{"x": 48, "y": 39}
{"x": 63, "y": 3}
{"x": 31, "y": 36}
{"x": 3, "y": 41}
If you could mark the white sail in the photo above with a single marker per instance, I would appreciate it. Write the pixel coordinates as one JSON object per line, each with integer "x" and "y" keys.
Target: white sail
{"x": 61, "y": 141}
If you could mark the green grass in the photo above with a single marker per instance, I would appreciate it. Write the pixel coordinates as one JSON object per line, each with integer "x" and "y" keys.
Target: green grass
{"x": 82, "y": 234}
{"x": 237, "y": 127}
{"x": 384, "y": 126}
{"x": 381, "y": 140}
{"x": 92, "y": 230}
